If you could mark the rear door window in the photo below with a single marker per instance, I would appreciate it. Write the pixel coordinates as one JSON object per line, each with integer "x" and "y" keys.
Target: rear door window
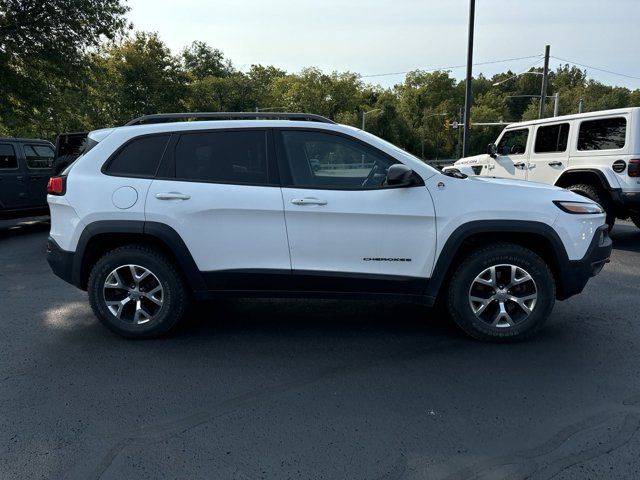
{"x": 8, "y": 159}
{"x": 139, "y": 158}
{"x": 552, "y": 138}
{"x": 38, "y": 156}
{"x": 602, "y": 134}
{"x": 223, "y": 157}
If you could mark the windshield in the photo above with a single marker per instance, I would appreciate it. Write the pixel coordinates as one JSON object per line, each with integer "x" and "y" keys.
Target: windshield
{"x": 398, "y": 150}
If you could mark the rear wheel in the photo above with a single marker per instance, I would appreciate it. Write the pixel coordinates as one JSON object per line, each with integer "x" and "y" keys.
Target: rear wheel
{"x": 597, "y": 195}
{"x": 504, "y": 292}
{"x": 137, "y": 292}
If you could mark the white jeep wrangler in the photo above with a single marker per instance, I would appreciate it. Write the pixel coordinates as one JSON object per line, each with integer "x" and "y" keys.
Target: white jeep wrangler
{"x": 594, "y": 154}
{"x": 156, "y": 213}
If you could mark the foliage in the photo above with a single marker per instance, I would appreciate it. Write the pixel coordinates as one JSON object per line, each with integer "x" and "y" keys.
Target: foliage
{"x": 68, "y": 66}
{"x": 43, "y": 45}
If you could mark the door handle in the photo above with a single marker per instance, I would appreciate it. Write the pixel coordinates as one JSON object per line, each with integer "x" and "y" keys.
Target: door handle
{"x": 555, "y": 164}
{"x": 308, "y": 201}
{"x": 33, "y": 179}
{"x": 520, "y": 165}
{"x": 20, "y": 178}
{"x": 172, "y": 196}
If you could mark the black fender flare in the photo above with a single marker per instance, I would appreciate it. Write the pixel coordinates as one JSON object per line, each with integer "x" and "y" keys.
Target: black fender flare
{"x": 595, "y": 171}
{"x": 158, "y": 231}
{"x": 446, "y": 259}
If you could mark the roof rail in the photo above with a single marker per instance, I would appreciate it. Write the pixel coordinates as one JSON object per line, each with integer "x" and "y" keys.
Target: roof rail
{"x": 168, "y": 117}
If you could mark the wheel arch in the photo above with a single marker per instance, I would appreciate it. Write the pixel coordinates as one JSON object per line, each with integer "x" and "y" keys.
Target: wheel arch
{"x": 102, "y": 236}
{"x": 538, "y": 237}
{"x": 591, "y": 176}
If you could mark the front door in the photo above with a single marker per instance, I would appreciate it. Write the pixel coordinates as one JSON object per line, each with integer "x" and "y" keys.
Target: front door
{"x": 512, "y": 156}
{"x": 13, "y": 185}
{"x": 220, "y": 195}
{"x": 346, "y": 230}
{"x": 39, "y": 162}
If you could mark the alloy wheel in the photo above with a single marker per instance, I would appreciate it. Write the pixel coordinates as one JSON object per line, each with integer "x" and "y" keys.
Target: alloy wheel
{"x": 133, "y": 294}
{"x": 503, "y": 295}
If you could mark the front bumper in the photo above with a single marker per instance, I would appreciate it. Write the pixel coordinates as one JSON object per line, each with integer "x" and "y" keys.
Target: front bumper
{"x": 60, "y": 261}
{"x": 576, "y": 274}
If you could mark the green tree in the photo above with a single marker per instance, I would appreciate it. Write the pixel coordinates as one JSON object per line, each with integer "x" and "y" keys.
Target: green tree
{"x": 137, "y": 77}
{"x": 42, "y": 50}
{"x": 200, "y": 60}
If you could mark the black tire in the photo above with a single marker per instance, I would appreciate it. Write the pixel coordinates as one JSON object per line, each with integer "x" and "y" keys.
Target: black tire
{"x": 463, "y": 284}
{"x": 635, "y": 218}
{"x": 597, "y": 195}
{"x": 174, "y": 297}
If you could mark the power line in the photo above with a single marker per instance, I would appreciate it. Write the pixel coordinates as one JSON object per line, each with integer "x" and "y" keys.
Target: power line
{"x": 527, "y": 70}
{"x": 451, "y": 67}
{"x": 596, "y": 68}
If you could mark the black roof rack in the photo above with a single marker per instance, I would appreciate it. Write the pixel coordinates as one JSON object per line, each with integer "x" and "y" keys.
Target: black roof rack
{"x": 168, "y": 117}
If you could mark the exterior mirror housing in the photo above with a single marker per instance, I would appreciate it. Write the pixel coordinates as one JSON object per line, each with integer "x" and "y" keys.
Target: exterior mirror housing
{"x": 399, "y": 174}
{"x": 492, "y": 150}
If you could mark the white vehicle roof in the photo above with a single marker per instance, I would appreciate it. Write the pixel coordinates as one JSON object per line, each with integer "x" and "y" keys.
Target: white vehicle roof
{"x": 575, "y": 116}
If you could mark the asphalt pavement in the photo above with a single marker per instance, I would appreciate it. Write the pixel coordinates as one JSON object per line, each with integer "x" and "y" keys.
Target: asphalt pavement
{"x": 321, "y": 389}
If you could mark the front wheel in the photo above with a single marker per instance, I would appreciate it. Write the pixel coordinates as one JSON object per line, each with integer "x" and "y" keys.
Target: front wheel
{"x": 137, "y": 292}
{"x": 504, "y": 292}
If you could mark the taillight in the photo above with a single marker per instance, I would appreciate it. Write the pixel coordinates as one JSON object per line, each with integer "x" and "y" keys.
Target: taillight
{"x": 634, "y": 168}
{"x": 57, "y": 185}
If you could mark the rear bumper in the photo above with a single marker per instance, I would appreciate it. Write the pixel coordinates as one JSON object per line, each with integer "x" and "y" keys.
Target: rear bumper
{"x": 60, "y": 261}
{"x": 631, "y": 201}
{"x": 577, "y": 273}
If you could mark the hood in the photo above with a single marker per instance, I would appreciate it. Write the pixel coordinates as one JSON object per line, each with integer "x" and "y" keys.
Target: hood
{"x": 517, "y": 183}
{"x": 474, "y": 160}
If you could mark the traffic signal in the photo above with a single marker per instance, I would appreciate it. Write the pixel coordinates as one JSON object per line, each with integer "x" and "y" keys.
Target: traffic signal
{"x": 446, "y": 124}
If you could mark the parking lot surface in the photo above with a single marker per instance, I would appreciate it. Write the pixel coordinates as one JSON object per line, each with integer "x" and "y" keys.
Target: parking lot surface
{"x": 249, "y": 389}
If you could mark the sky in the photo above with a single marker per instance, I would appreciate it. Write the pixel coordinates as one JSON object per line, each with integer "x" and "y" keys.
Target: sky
{"x": 373, "y": 37}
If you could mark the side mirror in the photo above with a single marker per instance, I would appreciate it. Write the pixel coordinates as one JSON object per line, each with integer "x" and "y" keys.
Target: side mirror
{"x": 399, "y": 174}
{"x": 492, "y": 150}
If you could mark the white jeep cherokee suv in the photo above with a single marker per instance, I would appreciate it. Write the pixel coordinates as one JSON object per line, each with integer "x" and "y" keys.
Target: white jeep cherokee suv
{"x": 156, "y": 213}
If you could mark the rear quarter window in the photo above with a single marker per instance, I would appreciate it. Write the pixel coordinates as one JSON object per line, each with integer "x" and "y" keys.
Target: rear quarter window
{"x": 38, "y": 156}
{"x": 139, "y": 157}
{"x": 602, "y": 134}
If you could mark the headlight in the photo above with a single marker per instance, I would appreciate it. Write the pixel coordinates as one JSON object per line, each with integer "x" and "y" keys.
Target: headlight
{"x": 587, "y": 208}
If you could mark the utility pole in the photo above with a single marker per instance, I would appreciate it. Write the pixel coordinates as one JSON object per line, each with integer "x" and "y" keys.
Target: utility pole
{"x": 545, "y": 76}
{"x": 364, "y": 115}
{"x": 580, "y": 106}
{"x": 467, "y": 91}
{"x": 556, "y": 104}
{"x": 458, "y": 147}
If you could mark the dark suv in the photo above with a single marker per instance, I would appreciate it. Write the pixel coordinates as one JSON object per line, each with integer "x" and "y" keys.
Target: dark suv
{"x": 25, "y": 167}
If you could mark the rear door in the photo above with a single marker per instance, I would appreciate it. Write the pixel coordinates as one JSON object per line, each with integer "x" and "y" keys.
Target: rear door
{"x": 550, "y": 153}
{"x": 218, "y": 190}
{"x": 39, "y": 162}
{"x": 344, "y": 224}
{"x": 13, "y": 185}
